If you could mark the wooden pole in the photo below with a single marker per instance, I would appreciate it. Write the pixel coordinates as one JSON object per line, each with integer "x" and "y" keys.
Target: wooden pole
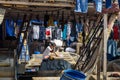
{"x": 105, "y": 49}
{"x": 99, "y": 59}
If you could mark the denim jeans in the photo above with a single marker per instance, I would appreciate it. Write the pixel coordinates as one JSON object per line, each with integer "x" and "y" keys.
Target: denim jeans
{"x": 112, "y": 48}
{"x": 77, "y": 7}
{"x": 10, "y": 31}
{"x": 108, "y": 3}
{"x": 98, "y": 5}
{"x": 81, "y": 6}
{"x": 84, "y": 6}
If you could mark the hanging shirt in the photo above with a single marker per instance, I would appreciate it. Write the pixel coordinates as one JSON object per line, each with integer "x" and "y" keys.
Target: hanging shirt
{"x": 36, "y": 32}
{"x": 98, "y": 5}
{"x": 84, "y": 6}
{"x": 108, "y": 3}
{"x": 116, "y": 33}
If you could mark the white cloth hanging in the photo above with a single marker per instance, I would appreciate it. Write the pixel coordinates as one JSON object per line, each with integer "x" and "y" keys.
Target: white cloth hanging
{"x": 36, "y": 32}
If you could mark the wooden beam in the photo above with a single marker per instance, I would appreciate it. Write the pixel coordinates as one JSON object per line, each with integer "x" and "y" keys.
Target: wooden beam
{"x": 37, "y": 4}
{"x": 105, "y": 48}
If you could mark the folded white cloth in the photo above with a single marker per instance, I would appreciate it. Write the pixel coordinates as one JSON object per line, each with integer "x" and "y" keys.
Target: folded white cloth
{"x": 69, "y": 49}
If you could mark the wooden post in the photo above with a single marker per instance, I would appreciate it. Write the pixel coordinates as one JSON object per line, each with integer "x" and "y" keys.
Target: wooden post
{"x": 99, "y": 60}
{"x": 105, "y": 49}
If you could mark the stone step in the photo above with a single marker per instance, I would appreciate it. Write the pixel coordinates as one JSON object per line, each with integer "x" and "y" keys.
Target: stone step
{"x": 6, "y": 72}
{"x": 6, "y": 78}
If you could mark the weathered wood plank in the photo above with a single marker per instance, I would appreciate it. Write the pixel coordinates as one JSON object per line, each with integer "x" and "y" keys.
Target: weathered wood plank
{"x": 37, "y": 4}
{"x": 46, "y": 78}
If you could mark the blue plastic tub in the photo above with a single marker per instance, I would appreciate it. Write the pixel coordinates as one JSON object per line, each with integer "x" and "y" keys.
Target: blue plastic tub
{"x": 36, "y": 52}
{"x": 73, "y": 75}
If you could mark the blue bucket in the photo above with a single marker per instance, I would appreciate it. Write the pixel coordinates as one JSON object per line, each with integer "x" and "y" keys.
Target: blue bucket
{"x": 36, "y": 52}
{"x": 73, "y": 75}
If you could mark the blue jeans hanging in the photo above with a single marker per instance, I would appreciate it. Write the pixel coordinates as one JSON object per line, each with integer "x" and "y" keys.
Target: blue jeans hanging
{"x": 98, "y": 5}
{"x": 81, "y": 6}
{"x": 112, "y": 48}
{"x": 108, "y": 3}
{"x": 84, "y": 6}
{"x": 77, "y": 7}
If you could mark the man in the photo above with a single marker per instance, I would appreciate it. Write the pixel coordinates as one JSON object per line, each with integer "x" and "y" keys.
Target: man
{"x": 49, "y": 50}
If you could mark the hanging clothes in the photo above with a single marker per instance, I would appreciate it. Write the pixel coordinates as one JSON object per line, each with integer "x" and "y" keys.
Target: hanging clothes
{"x": 64, "y": 33}
{"x": 98, "y": 5}
{"x": 36, "y": 31}
{"x": 116, "y": 32}
{"x": 42, "y": 33}
{"x": 79, "y": 29}
{"x": 111, "y": 49}
{"x": 10, "y": 31}
{"x": 68, "y": 33}
{"x": 73, "y": 33}
{"x": 81, "y": 6}
{"x": 17, "y": 27}
{"x": 24, "y": 56}
{"x": 77, "y": 6}
{"x": 84, "y": 6}
{"x": 108, "y": 3}
{"x": 48, "y": 33}
{"x": 59, "y": 33}
{"x": 19, "y": 22}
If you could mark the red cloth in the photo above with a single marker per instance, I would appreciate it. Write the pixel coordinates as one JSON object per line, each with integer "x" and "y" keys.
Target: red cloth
{"x": 47, "y": 32}
{"x": 116, "y": 33}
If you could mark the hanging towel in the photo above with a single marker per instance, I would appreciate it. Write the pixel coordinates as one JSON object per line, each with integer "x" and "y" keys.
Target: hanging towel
{"x": 98, "y": 5}
{"x": 84, "y": 6}
{"x": 108, "y": 3}
{"x": 9, "y": 28}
